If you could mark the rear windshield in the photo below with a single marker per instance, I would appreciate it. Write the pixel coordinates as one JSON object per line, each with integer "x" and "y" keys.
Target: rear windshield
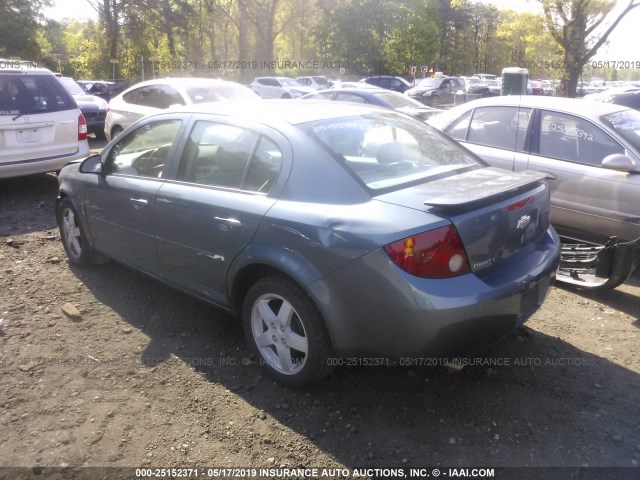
{"x": 397, "y": 100}
{"x": 22, "y": 94}
{"x": 387, "y": 150}
{"x": 627, "y": 124}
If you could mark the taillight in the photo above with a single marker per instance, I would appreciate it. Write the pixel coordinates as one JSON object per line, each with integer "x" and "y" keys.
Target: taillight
{"x": 434, "y": 254}
{"x": 82, "y": 128}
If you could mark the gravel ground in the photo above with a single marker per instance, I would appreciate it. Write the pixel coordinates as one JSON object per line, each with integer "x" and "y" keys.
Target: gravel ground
{"x": 102, "y": 367}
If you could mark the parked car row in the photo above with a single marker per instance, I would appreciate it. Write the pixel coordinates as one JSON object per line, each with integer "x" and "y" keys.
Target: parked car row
{"x": 311, "y": 220}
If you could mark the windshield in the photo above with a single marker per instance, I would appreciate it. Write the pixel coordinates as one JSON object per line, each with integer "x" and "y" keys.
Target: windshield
{"x": 214, "y": 93}
{"x": 397, "y": 100}
{"x": 386, "y": 149}
{"x": 626, "y": 124}
{"x": 430, "y": 82}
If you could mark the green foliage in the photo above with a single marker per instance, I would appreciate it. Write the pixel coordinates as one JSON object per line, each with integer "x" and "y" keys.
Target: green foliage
{"x": 19, "y": 28}
{"x": 240, "y": 39}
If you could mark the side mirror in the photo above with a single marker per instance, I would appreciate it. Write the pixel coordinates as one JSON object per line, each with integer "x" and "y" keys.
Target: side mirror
{"x": 92, "y": 164}
{"x": 620, "y": 162}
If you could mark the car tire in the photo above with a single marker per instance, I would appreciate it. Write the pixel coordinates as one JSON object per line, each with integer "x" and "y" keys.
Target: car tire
{"x": 73, "y": 237}
{"x": 435, "y": 101}
{"x": 286, "y": 96}
{"x": 286, "y": 331}
{"x": 115, "y": 131}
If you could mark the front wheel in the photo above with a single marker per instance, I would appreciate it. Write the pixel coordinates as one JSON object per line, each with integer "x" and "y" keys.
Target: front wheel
{"x": 435, "y": 101}
{"x": 284, "y": 328}
{"x": 73, "y": 237}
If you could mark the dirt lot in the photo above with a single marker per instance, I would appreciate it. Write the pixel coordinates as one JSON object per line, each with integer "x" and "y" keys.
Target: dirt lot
{"x": 104, "y": 367}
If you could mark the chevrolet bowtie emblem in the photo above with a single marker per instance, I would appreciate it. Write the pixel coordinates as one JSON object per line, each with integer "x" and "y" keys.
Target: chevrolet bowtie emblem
{"x": 524, "y": 221}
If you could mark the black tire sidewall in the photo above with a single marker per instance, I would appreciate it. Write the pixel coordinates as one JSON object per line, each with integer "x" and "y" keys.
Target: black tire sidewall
{"x": 85, "y": 257}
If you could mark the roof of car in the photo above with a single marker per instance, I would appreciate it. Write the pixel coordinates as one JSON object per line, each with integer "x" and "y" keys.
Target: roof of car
{"x": 182, "y": 81}
{"x": 289, "y": 111}
{"x": 569, "y": 105}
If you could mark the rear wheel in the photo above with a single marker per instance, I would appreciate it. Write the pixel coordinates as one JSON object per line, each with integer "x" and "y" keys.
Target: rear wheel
{"x": 73, "y": 237}
{"x": 286, "y": 331}
{"x": 115, "y": 131}
{"x": 286, "y": 96}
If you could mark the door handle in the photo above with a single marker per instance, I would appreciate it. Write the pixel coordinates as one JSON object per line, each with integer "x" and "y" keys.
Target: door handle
{"x": 227, "y": 223}
{"x": 139, "y": 202}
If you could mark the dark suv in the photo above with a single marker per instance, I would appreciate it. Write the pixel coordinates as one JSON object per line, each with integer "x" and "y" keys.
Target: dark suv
{"x": 389, "y": 82}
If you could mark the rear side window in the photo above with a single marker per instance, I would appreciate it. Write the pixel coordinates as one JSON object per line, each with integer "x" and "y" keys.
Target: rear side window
{"x": 228, "y": 156}
{"x": 350, "y": 97}
{"x": 32, "y": 94}
{"x": 148, "y": 96}
{"x": 499, "y": 127}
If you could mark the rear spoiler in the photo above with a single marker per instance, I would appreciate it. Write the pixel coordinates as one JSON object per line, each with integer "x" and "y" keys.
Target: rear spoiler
{"x": 478, "y": 186}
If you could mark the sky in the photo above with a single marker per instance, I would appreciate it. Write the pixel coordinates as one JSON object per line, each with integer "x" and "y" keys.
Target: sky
{"x": 621, "y": 43}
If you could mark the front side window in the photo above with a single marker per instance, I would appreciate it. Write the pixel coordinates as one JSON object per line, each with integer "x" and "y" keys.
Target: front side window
{"x": 388, "y": 150}
{"x": 571, "y": 138}
{"x": 143, "y": 152}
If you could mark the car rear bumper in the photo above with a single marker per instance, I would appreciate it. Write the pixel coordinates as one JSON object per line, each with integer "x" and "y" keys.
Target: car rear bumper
{"x": 42, "y": 165}
{"x": 373, "y": 307}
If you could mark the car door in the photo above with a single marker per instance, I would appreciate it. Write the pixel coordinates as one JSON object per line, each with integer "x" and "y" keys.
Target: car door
{"x": 120, "y": 203}
{"x": 212, "y": 208}
{"x": 496, "y": 134}
{"x": 589, "y": 202}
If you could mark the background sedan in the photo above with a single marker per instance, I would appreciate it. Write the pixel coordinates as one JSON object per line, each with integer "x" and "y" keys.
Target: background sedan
{"x": 379, "y": 97}
{"x": 348, "y": 231}
{"x": 153, "y": 96}
{"x": 590, "y": 152}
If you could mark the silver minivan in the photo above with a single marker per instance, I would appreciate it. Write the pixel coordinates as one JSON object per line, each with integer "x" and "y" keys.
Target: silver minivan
{"x": 41, "y": 126}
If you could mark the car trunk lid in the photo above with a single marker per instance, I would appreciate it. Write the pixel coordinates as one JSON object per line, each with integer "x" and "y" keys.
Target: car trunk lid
{"x": 496, "y": 212}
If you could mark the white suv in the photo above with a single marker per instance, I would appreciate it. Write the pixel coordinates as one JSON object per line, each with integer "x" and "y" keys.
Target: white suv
{"x": 41, "y": 126}
{"x": 279, "y": 87}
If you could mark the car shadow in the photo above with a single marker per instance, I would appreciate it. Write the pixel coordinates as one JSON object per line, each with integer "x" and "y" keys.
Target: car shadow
{"x": 618, "y": 298}
{"x": 530, "y": 400}
{"x": 38, "y": 194}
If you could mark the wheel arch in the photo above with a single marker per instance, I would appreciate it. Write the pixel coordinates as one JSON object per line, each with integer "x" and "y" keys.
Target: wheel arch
{"x": 260, "y": 261}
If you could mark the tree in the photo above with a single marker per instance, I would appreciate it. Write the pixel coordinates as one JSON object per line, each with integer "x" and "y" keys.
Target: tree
{"x": 574, "y": 26}
{"x": 19, "y": 21}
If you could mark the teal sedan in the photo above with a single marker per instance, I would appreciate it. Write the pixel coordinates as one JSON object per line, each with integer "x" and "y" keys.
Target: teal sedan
{"x": 330, "y": 229}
